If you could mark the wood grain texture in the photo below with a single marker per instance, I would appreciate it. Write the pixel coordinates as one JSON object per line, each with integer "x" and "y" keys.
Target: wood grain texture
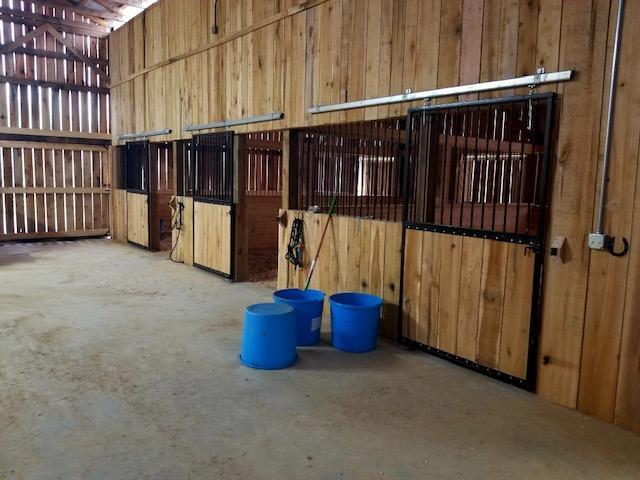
{"x": 138, "y": 218}
{"x": 329, "y": 55}
{"x": 470, "y": 297}
{"x": 212, "y": 236}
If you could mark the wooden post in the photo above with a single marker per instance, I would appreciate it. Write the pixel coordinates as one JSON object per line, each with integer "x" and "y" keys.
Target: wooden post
{"x": 286, "y": 158}
{"x": 241, "y": 242}
{"x": 154, "y": 226}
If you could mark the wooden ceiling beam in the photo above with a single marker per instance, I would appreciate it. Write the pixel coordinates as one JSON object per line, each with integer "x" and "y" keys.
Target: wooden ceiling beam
{"x": 46, "y": 84}
{"x": 110, "y": 6}
{"x": 36, "y": 19}
{"x": 18, "y": 42}
{"x": 132, "y": 3}
{"x": 58, "y": 55}
{"x": 86, "y": 11}
{"x": 77, "y": 53}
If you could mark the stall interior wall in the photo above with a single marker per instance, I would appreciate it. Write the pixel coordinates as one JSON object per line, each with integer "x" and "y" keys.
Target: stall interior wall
{"x": 288, "y": 55}
{"x": 53, "y": 92}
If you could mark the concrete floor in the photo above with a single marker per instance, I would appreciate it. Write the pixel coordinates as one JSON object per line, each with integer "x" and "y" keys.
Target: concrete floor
{"x": 118, "y": 364}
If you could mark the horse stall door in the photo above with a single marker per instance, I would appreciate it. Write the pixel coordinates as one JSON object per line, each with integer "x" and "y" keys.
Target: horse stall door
{"x": 137, "y": 183}
{"x": 213, "y": 221}
{"x": 474, "y": 225}
{"x": 161, "y": 190}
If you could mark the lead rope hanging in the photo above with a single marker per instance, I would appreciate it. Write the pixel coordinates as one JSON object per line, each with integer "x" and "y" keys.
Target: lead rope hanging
{"x": 295, "y": 248}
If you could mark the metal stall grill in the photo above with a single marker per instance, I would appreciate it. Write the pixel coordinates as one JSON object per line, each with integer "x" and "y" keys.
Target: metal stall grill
{"x": 137, "y": 182}
{"x": 212, "y": 168}
{"x": 264, "y": 163}
{"x": 359, "y": 163}
{"x": 183, "y": 168}
{"x": 212, "y": 176}
{"x": 475, "y": 184}
{"x": 136, "y": 171}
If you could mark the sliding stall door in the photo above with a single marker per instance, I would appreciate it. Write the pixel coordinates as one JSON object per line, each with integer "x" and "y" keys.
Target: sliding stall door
{"x": 137, "y": 182}
{"x": 213, "y": 212}
{"x": 474, "y": 225}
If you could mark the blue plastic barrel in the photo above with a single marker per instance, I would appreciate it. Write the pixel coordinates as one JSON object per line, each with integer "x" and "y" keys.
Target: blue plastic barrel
{"x": 269, "y": 336}
{"x": 354, "y": 321}
{"x": 307, "y": 305}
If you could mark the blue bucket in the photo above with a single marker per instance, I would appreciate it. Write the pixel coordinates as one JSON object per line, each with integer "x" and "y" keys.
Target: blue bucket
{"x": 307, "y": 305}
{"x": 269, "y": 336}
{"x": 354, "y": 321}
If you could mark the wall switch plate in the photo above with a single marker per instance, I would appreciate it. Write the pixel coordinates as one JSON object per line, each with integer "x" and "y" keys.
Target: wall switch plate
{"x": 597, "y": 241}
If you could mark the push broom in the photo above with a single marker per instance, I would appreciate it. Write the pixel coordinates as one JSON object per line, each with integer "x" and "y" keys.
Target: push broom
{"x": 324, "y": 231}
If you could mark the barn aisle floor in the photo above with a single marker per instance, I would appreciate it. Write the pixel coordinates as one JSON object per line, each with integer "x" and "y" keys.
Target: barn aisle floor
{"x": 116, "y": 363}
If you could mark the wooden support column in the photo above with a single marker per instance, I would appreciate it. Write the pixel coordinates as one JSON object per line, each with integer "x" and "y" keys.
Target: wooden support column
{"x": 154, "y": 225}
{"x": 241, "y": 253}
{"x": 286, "y": 155}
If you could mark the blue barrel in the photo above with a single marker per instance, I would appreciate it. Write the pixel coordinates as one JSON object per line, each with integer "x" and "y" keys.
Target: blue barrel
{"x": 307, "y": 305}
{"x": 354, "y": 321}
{"x": 269, "y": 336}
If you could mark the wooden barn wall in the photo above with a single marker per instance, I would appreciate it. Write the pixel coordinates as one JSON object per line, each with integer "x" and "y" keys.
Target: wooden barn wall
{"x": 288, "y": 55}
{"x": 357, "y": 255}
{"x": 53, "y": 181}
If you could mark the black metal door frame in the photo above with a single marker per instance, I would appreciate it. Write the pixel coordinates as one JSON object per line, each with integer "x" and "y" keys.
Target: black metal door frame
{"x": 535, "y": 243}
{"x": 144, "y": 189}
{"x": 221, "y": 194}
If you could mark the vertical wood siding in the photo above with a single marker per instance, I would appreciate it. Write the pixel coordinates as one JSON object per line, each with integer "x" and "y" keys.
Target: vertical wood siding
{"x": 287, "y": 54}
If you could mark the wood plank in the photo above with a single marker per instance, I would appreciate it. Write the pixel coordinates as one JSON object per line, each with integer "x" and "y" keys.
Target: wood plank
{"x": 9, "y": 199}
{"x": 411, "y": 295}
{"x": 450, "y": 294}
{"x": 391, "y": 279}
{"x": 516, "y": 312}
{"x": 494, "y": 263}
{"x": 36, "y": 132}
{"x": 470, "y": 291}
{"x": 608, "y": 274}
{"x": 364, "y": 236}
{"x": 430, "y": 292}
{"x": 45, "y": 235}
{"x": 582, "y": 48}
{"x": 50, "y": 84}
{"x": 154, "y": 63}
{"x": 354, "y": 254}
{"x": 357, "y": 56}
{"x": 138, "y": 218}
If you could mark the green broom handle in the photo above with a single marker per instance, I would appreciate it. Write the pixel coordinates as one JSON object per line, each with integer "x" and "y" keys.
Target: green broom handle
{"x": 326, "y": 225}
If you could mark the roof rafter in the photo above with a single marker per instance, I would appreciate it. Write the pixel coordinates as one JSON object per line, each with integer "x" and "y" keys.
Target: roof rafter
{"x": 77, "y": 53}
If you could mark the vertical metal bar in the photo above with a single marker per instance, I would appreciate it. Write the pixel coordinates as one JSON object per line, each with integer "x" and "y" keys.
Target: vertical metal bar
{"x": 534, "y": 130}
{"x": 485, "y": 171}
{"x": 453, "y": 170}
{"x": 406, "y": 194}
{"x": 423, "y": 161}
{"x": 507, "y": 188}
{"x": 464, "y": 162}
{"x": 497, "y": 138}
{"x": 525, "y": 113}
{"x": 444, "y": 165}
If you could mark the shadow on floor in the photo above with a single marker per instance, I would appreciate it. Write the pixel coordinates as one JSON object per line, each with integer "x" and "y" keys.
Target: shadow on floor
{"x": 15, "y": 258}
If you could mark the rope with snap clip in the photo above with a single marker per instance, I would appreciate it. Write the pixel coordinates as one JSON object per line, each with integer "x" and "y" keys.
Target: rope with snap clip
{"x": 295, "y": 248}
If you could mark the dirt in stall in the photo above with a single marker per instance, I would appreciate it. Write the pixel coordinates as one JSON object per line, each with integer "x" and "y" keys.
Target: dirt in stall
{"x": 263, "y": 267}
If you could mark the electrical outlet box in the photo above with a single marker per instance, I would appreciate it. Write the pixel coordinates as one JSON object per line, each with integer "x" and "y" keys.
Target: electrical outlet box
{"x": 597, "y": 241}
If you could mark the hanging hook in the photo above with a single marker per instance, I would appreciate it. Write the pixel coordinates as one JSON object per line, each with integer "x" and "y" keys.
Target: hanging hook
{"x": 621, "y": 253}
